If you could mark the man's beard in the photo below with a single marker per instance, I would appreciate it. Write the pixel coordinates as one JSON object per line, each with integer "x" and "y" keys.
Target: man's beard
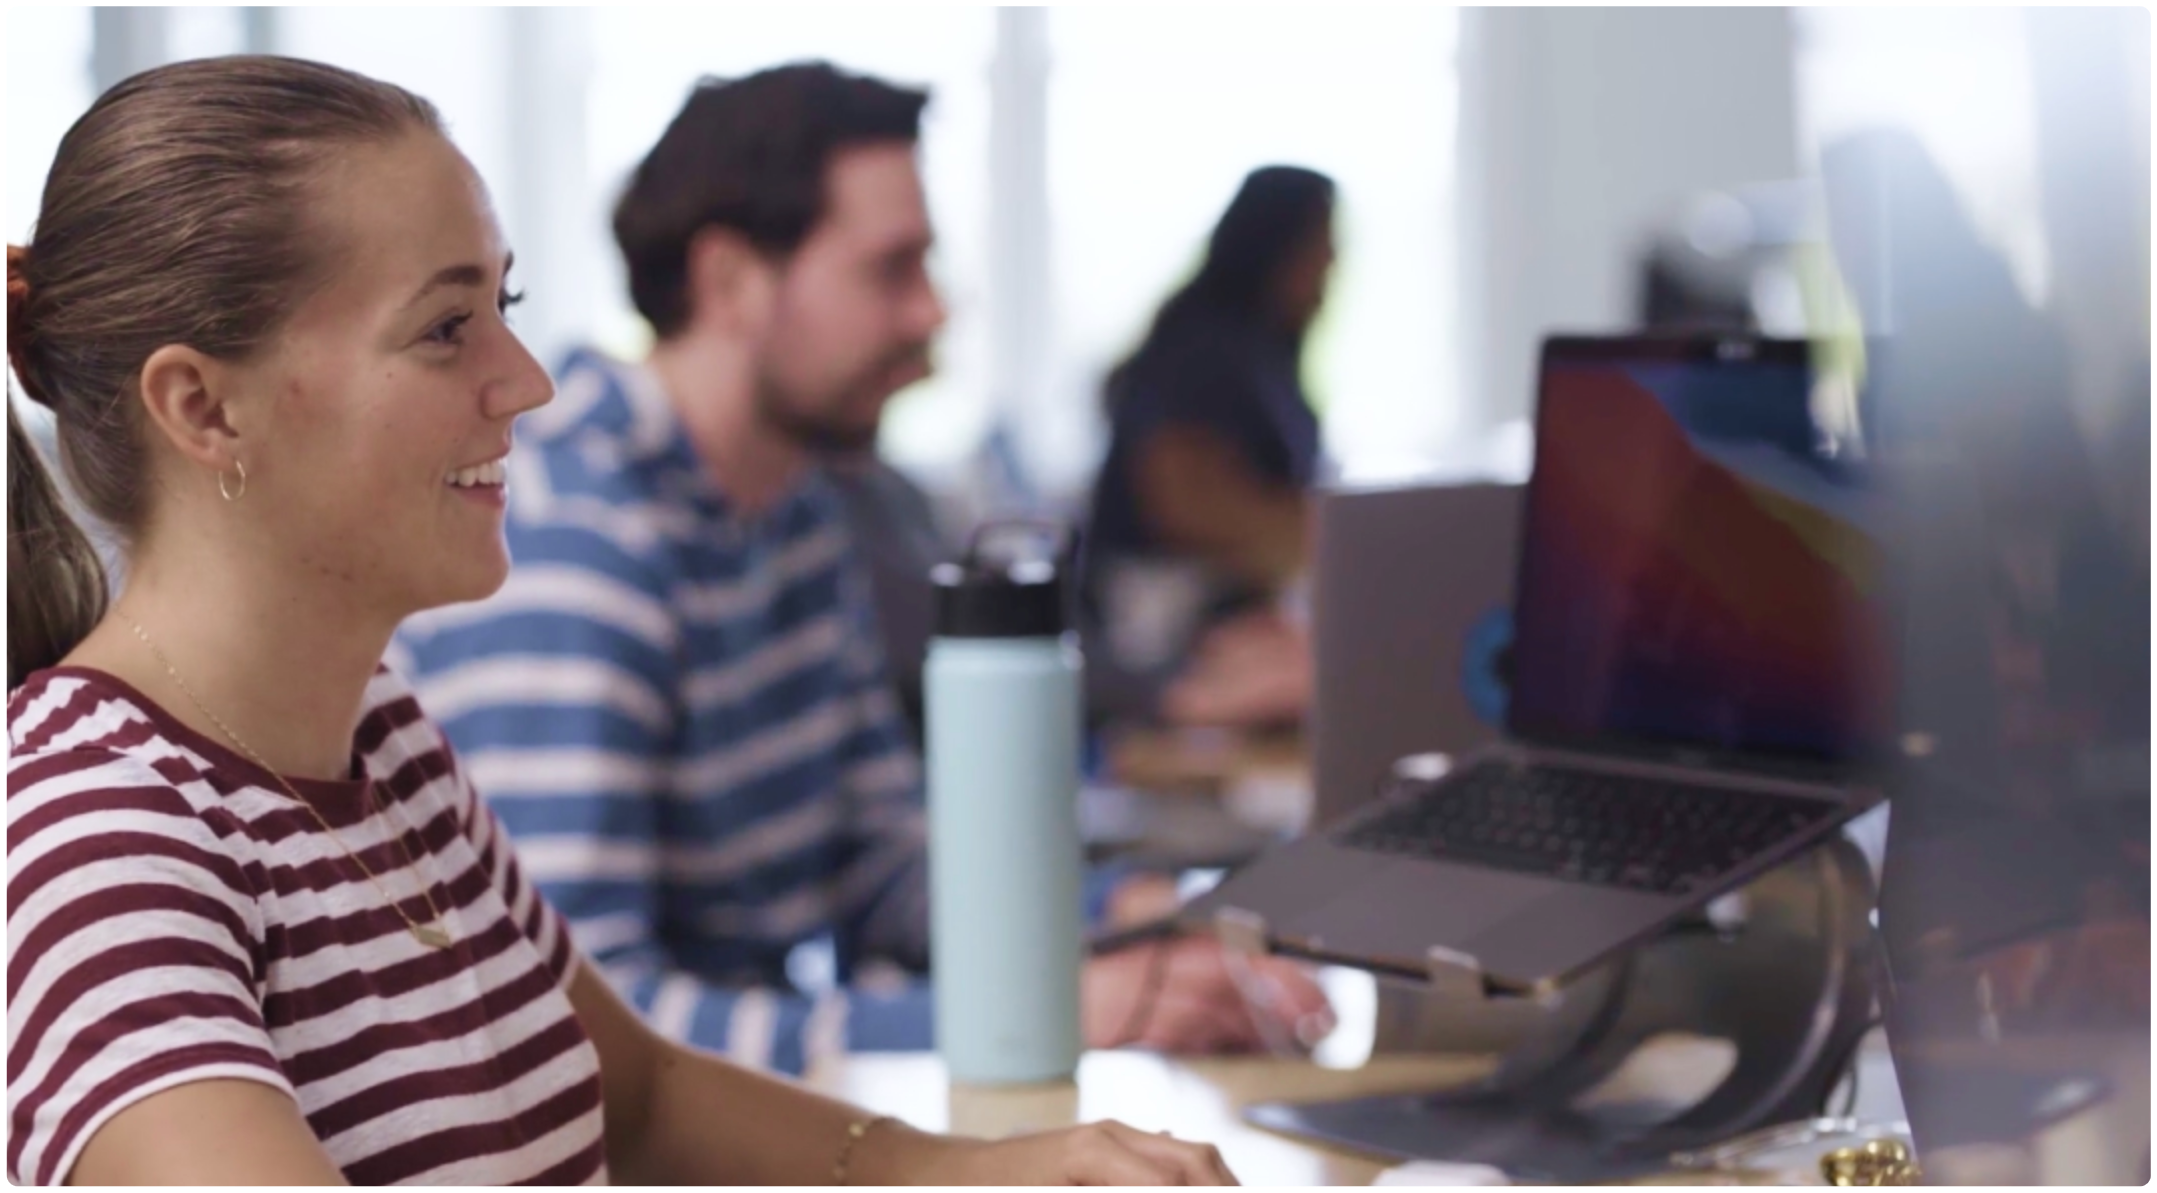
{"x": 813, "y": 433}
{"x": 827, "y": 435}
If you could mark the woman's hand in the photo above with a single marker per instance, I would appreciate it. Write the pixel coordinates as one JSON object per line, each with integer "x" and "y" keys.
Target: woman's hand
{"x": 1253, "y": 670}
{"x": 1104, "y": 1153}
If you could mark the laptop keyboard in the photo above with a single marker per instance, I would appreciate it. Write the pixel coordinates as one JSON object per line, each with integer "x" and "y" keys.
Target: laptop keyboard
{"x": 1642, "y": 834}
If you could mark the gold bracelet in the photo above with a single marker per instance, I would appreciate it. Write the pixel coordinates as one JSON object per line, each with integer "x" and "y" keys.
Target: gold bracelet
{"x": 854, "y": 1133}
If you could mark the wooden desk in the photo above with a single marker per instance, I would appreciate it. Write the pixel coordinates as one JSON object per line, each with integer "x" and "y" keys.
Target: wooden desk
{"x": 1193, "y": 1099}
{"x": 1204, "y": 761}
{"x": 1263, "y": 783}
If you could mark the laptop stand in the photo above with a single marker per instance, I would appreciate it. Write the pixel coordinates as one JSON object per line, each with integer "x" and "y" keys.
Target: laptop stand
{"x": 1792, "y": 990}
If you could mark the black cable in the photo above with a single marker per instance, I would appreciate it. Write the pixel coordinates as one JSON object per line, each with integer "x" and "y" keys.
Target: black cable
{"x": 1161, "y": 932}
{"x": 1149, "y": 993}
{"x": 1115, "y": 940}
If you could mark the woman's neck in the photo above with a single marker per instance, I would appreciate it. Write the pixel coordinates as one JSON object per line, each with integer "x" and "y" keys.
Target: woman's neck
{"x": 284, "y": 669}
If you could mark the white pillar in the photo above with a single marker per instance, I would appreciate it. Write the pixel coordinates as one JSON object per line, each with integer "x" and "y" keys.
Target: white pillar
{"x": 126, "y": 41}
{"x": 551, "y": 207}
{"x": 259, "y": 27}
{"x": 1020, "y": 286}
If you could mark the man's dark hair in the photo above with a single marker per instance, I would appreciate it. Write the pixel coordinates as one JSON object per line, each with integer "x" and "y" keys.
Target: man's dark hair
{"x": 747, "y": 154}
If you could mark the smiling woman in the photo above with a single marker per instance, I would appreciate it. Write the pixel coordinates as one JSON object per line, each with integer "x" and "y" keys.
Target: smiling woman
{"x": 260, "y": 928}
{"x": 277, "y": 468}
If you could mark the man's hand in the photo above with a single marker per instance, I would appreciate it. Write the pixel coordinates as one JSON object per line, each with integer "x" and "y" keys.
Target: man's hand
{"x": 1198, "y": 1006}
{"x": 1140, "y": 898}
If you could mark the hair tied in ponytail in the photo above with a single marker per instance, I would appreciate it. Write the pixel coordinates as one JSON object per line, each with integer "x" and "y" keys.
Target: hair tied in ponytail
{"x": 18, "y": 320}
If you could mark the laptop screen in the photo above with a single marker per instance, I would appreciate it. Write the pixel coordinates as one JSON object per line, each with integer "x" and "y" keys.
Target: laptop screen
{"x": 1696, "y": 557}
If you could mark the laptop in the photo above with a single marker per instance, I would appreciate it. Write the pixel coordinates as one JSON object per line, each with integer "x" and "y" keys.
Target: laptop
{"x": 1697, "y": 687}
{"x": 1412, "y": 630}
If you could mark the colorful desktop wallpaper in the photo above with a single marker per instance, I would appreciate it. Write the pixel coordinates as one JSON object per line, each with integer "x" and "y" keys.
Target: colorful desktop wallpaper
{"x": 1696, "y": 570}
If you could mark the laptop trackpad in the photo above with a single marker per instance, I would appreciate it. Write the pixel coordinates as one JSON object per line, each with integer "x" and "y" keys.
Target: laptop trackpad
{"x": 1405, "y": 906}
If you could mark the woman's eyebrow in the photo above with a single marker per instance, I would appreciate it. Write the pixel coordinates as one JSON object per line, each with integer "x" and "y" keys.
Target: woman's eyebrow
{"x": 457, "y": 275}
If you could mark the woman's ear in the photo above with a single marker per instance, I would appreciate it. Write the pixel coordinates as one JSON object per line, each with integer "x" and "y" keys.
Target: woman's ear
{"x": 181, "y": 393}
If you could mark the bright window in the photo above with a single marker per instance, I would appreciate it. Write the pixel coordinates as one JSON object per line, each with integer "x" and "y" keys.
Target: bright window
{"x": 48, "y": 86}
{"x": 1155, "y": 115}
{"x": 1957, "y": 79}
{"x": 461, "y": 64}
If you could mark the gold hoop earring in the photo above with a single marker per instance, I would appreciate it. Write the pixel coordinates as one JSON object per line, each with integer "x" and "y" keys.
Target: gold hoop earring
{"x": 227, "y": 493}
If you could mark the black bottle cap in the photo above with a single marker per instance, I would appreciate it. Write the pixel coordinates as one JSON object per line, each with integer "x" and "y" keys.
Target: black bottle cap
{"x": 990, "y": 597}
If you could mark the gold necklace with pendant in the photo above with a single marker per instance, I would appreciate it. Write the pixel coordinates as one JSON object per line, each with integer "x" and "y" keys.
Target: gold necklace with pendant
{"x": 432, "y": 934}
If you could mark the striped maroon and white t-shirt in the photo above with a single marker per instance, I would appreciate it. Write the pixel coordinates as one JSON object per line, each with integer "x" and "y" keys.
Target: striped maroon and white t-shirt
{"x": 173, "y": 916}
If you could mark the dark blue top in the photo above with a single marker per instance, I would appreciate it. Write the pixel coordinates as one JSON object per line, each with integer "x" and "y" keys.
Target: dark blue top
{"x": 1214, "y": 373}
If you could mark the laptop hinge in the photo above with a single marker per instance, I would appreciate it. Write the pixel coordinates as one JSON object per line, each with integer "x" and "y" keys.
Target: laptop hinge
{"x": 1453, "y": 974}
{"x": 1242, "y": 931}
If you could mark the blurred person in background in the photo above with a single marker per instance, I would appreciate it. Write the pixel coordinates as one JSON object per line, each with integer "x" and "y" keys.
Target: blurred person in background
{"x": 1252, "y": 671}
{"x": 679, "y": 702}
{"x": 1200, "y": 513}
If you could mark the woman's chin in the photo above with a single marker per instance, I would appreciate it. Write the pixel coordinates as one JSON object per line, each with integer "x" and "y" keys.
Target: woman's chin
{"x": 471, "y": 579}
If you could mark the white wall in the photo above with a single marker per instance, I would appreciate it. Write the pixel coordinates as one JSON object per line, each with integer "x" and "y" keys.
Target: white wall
{"x": 1580, "y": 127}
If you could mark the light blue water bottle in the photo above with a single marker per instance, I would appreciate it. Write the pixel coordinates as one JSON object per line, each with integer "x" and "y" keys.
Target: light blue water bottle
{"x": 1002, "y": 696}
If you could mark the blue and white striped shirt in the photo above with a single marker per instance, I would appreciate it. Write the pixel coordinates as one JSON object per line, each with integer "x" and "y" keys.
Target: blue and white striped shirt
{"x": 682, "y": 716}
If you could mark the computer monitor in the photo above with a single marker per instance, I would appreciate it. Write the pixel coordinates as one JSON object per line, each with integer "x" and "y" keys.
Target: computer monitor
{"x": 1699, "y": 566}
{"x": 2012, "y": 431}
